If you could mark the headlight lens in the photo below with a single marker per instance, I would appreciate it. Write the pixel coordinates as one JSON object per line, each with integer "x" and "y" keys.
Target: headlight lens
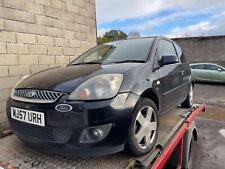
{"x": 99, "y": 87}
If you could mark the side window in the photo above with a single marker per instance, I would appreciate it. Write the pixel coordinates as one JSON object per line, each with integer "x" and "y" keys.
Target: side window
{"x": 212, "y": 67}
{"x": 193, "y": 66}
{"x": 198, "y": 67}
{"x": 180, "y": 54}
{"x": 166, "y": 48}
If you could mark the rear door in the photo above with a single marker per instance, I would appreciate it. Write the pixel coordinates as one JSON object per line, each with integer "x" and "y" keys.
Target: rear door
{"x": 199, "y": 72}
{"x": 215, "y": 73}
{"x": 168, "y": 75}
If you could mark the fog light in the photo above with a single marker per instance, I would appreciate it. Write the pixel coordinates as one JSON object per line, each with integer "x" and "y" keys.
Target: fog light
{"x": 95, "y": 134}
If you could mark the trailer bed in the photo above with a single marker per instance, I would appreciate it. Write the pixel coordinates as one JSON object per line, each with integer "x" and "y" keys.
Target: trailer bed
{"x": 15, "y": 153}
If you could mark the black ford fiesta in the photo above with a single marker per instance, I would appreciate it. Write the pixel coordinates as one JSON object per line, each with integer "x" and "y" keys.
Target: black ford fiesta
{"x": 107, "y": 99}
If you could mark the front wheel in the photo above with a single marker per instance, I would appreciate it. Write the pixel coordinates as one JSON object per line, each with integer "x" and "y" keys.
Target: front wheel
{"x": 188, "y": 103}
{"x": 144, "y": 128}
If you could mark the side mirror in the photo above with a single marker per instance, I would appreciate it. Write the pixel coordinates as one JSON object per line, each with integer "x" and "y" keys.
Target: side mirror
{"x": 168, "y": 59}
{"x": 220, "y": 70}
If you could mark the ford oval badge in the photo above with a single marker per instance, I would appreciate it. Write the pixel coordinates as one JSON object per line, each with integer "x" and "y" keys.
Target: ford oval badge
{"x": 63, "y": 107}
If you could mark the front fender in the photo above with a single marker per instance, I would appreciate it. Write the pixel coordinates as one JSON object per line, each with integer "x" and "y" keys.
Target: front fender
{"x": 140, "y": 87}
{"x": 149, "y": 90}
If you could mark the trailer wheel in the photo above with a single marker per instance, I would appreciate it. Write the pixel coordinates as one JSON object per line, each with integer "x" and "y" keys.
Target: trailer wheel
{"x": 144, "y": 128}
{"x": 188, "y": 103}
{"x": 191, "y": 155}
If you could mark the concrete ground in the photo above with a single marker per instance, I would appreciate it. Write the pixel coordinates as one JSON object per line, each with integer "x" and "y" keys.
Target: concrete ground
{"x": 209, "y": 150}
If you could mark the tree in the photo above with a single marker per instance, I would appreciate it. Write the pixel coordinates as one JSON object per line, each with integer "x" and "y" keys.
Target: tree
{"x": 101, "y": 40}
{"x": 134, "y": 34}
{"x": 112, "y": 35}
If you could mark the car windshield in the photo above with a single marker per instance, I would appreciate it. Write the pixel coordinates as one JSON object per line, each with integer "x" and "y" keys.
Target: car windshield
{"x": 135, "y": 50}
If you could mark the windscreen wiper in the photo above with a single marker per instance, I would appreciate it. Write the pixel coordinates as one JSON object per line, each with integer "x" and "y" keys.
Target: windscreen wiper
{"x": 85, "y": 63}
{"x": 128, "y": 61}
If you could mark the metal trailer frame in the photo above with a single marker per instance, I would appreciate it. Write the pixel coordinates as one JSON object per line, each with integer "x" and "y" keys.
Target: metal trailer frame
{"x": 177, "y": 141}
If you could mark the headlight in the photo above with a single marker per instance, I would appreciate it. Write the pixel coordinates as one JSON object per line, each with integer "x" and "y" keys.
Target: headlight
{"x": 99, "y": 87}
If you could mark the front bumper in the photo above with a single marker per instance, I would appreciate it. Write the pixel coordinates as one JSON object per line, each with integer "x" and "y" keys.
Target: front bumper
{"x": 62, "y": 132}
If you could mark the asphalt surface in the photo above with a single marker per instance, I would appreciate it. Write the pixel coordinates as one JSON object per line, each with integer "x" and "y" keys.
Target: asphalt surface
{"x": 214, "y": 94}
{"x": 210, "y": 147}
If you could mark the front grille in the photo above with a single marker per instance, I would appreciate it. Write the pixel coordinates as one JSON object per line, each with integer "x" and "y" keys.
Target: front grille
{"x": 52, "y": 135}
{"x": 36, "y": 96}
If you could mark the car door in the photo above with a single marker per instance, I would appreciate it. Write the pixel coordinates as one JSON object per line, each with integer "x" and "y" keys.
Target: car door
{"x": 215, "y": 73}
{"x": 199, "y": 72}
{"x": 168, "y": 75}
{"x": 185, "y": 71}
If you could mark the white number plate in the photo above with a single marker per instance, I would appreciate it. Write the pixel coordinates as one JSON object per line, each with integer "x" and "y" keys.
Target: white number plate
{"x": 28, "y": 116}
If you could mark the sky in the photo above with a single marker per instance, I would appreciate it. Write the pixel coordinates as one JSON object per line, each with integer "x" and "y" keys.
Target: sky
{"x": 172, "y": 18}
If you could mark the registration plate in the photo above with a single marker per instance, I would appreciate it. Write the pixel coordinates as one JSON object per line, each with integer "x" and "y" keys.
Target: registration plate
{"x": 28, "y": 116}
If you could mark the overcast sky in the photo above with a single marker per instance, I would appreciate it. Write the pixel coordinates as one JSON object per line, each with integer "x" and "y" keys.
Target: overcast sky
{"x": 173, "y": 18}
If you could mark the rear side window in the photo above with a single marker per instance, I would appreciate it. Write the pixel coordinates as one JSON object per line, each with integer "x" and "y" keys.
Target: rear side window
{"x": 212, "y": 67}
{"x": 166, "y": 48}
{"x": 180, "y": 54}
{"x": 198, "y": 67}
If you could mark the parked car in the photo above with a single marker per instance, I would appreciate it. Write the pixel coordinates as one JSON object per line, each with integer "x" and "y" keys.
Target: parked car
{"x": 108, "y": 99}
{"x": 208, "y": 72}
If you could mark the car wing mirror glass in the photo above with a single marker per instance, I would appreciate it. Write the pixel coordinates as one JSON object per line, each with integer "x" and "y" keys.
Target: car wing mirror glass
{"x": 168, "y": 59}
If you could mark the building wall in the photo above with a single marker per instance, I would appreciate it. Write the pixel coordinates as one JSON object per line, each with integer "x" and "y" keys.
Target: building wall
{"x": 40, "y": 34}
{"x": 203, "y": 49}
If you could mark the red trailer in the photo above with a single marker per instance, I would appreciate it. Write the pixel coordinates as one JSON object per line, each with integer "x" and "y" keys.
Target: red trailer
{"x": 176, "y": 149}
{"x": 178, "y": 141}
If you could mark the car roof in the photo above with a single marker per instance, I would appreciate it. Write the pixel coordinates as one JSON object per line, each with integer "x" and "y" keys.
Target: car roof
{"x": 207, "y": 63}
{"x": 122, "y": 40}
{"x": 148, "y": 37}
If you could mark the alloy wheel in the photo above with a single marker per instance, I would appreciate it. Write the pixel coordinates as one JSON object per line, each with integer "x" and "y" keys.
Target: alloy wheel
{"x": 145, "y": 127}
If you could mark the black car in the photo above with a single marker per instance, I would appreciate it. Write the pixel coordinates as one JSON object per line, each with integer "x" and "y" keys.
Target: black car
{"x": 108, "y": 99}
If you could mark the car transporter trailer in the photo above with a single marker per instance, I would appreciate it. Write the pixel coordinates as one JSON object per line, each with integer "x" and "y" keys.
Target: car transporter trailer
{"x": 174, "y": 149}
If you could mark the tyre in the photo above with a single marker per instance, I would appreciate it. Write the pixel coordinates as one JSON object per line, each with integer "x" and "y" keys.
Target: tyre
{"x": 190, "y": 155}
{"x": 143, "y": 131}
{"x": 188, "y": 103}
